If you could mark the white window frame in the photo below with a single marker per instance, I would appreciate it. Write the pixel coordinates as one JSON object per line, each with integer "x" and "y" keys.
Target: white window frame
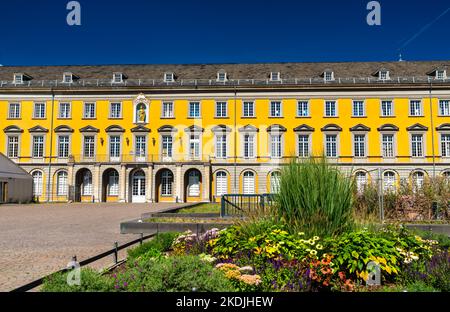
{"x": 194, "y": 139}
{"x": 16, "y": 111}
{"x": 117, "y": 77}
{"x": 190, "y": 115}
{"x": 60, "y": 111}
{"x": 244, "y": 182}
{"x": 251, "y": 148}
{"x": 112, "y": 156}
{"x": 273, "y": 135}
{"x": 383, "y": 75}
{"x": 35, "y": 111}
{"x": 111, "y": 110}
{"x": 275, "y": 76}
{"x": 443, "y": 72}
{"x": 300, "y": 112}
{"x": 85, "y": 105}
{"x": 422, "y": 142}
{"x": 33, "y": 154}
{"x": 220, "y": 103}
{"x": 394, "y": 145}
{"x": 389, "y": 185}
{"x": 271, "y": 103}
{"x": 444, "y": 110}
{"x": 221, "y": 76}
{"x": 220, "y": 188}
{"x": 328, "y": 76}
{"x": 216, "y": 144}
{"x": 38, "y": 184}
{"x": 359, "y": 134}
{"x": 16, "y": 144}
{"x": 67, "y": 75}
{"x": 326, "y": 135}
{"x": 113, "y": 183}
{"x": 309, "y": 138}
{"x": 420, "y": 114}
{"x": 252, "y": 105}
{"x": 167, "y": 179}
{"x": 359, "y": 102}
{"x": 18, "y": 78}
{"x": 172, "y": 110}
{"x": 62, "y": 189}
{"x": 167, "y": 145}
{"x": 392, "y": 108}
{"x": 335, "y": 109}
{"x": 169, "y": 77}
{"x": 94, "y": 145}
{"x": 59, "y": 145}
{"x": 444, "y": 152}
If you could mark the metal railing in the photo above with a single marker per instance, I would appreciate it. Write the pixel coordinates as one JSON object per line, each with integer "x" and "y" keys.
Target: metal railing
{"x": 85, "y": 262}
{"x": 241, "y": 204}
{"x": 96, "y": 83}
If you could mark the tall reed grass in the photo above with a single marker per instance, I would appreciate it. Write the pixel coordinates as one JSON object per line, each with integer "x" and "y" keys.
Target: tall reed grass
{"x": 315, "y": 198}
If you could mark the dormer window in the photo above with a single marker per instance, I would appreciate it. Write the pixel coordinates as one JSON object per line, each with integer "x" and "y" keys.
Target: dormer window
{"x": 18, "y": 78}
{"x": 383, "y": 75}
{"x": 275, "y": 76}
{"x": 118, "y": 77}
{"x": 68, "y": 77}
{"x": 328, "y": 75}
{"x": 169, "y": 77}
{"x": 221, "y": 76}
{"x": 441, "y": 74}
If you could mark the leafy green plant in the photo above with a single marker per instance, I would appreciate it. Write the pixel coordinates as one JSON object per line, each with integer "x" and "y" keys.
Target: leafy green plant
{"x": 178, "y": 273}
{"x": 315, "y": 197}
{"x": 90, "y": 281}
{"x": 161, "y": 242}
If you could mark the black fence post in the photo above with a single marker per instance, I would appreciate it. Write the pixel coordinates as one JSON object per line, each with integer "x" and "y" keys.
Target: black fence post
{"x": 141, "y": 238}
{"x": 116, "y": 252}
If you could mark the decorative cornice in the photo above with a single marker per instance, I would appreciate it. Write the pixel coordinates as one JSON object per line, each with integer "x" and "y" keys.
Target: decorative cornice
{"x": 303, "y": 128}
{"x": 360, "y": 127}
{"x": 443, "y": 127}
{"x": 114, "y": 128}
{"x": 63, "y": 129}
{"x": 38, "y": 129}
{"x": 276, "y": 128}
{"x": 89, "y": 129}
{"x": 417, "y": 127}
{"x": 221, "y": 128}
{"x": 331, "y": 127}
{"x": 248, "y": 128}
{"x": 167, "y": 128}
{"x": 388, "y": 127}
{"x": 13, "y": 129}
{"x": 140, "y": 128}
{"x": 194, "y": 128}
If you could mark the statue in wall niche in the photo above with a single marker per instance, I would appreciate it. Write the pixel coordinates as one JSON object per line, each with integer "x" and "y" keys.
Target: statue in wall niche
{"x": 141, "y": 114}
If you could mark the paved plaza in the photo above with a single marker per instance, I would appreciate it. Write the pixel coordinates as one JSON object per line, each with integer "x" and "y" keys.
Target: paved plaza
{"x": 38, "y": 239}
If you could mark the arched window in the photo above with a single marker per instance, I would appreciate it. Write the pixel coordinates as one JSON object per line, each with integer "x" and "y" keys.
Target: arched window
{"x": 249, "y": 182}
{"x": 87, "y": 183}
{"x": 417, "y": 179}
{"x": 221, "y": 183}
{"x": 194, "y": 183}
{"x": 446, "y": 174}
{"x": 37, "y": 183}
{"x": 166, "y": 183}
{"x": 361, "y": 180}
{"x": 113, "y": 183}
{"x": 61, "y": 183}
{"x": 275, "y": 182}
{"x": 389, "y": 181}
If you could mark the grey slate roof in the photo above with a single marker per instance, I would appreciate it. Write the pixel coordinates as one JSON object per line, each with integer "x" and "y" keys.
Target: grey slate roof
{"x": 234, "y": 71}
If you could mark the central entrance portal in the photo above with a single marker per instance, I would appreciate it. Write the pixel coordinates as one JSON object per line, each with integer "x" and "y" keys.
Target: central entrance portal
{"x": 138, "y": 187}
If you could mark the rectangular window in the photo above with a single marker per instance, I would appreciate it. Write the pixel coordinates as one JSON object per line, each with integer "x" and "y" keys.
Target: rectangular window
{"x": 167, "y": 145}
{"x": 330, "y": 109}
{"x": 249, "y": 146}
{"x": 331, "y": 145}
{"x": 194, "y": 146}
{"x": 303, "y": 145}
{"x": 221, "y": 109}
{"x": 359, "y": 143}
{"x": 249, "y": 109}
{"x": 274, "y": 76}
{"x": 440, "y": 74}
{"x": 416, "y": 145}
{"x": 13, "y": 146}
{"x": 415, "y": 108}
{"x": 194, "y": 109}
{"x": 221, "y": 146}
{"x": 167, "y": 110}
{"x": 275, "y": 109}
{"x": 444, "y": 107}
{"x": 358, "y": 109}
{"x": 141, "y": 144}
{"x": 64, "y": 110}
{"x": 89, "y": 110}
{"x": 387, "y": 145}
{"x": 113, "y": 187}
{"x": 168, "y": 77}
{"x": 445, "y": 145}
{"x": 117, "y": 77}
{"x": 114, "y": 146}
{"x": 89, "y": 146}
{"x": 39, "y": 110}
{"x": 328, "y": 76}
{"x": 275, "y": 146}
{"x": 38, "y": 146}
{"x": 387, "y": 108}
{"x": 116, "y": 110}
{"x": 14, "y": 111}
{"x": 63, "y": 146}
{"x": 302, "y": 109}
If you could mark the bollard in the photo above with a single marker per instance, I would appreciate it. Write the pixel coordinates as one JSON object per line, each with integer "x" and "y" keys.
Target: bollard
{"x": 115, "y": 252}
{"x": 141, "y": 238}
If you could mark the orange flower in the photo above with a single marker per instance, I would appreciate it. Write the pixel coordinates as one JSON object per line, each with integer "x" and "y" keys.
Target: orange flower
{"x": 341, "y": 275}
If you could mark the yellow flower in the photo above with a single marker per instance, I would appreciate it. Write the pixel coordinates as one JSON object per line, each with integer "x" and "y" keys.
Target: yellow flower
{"x": 319, "y": 247}
{"x": 301, "y": 233}
{"x": 313, "y": 252}
{"x": 316, "y": 238}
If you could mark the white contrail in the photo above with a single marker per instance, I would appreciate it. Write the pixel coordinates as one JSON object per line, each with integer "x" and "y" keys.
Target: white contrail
{"x": 423, "y": 29}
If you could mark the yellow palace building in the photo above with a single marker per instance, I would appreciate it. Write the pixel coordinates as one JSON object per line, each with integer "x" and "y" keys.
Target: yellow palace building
{"x": 151, "y": 133}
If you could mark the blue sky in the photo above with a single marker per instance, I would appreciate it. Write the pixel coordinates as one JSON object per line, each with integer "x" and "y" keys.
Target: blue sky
{"x": 226, "y": 31}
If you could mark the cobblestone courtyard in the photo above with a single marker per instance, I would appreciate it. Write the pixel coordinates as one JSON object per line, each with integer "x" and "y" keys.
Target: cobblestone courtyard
{"x": 38, "y": 239}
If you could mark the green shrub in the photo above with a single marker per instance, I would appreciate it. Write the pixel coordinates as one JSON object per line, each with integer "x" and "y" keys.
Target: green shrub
{"x": 315, "y": 197}
{"x": 161, "y": 242}
{"x": 90, "y": 281}
{"x": 179, "y": 273}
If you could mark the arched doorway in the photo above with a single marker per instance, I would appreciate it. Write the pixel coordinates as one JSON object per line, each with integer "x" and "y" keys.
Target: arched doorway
{"x": 110, "y": 185}
{"x": 83, "y": 186}
{"x": 192, "y": 186}
{"x": 164, "y": 185}
{"x": 137, "y": 183}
